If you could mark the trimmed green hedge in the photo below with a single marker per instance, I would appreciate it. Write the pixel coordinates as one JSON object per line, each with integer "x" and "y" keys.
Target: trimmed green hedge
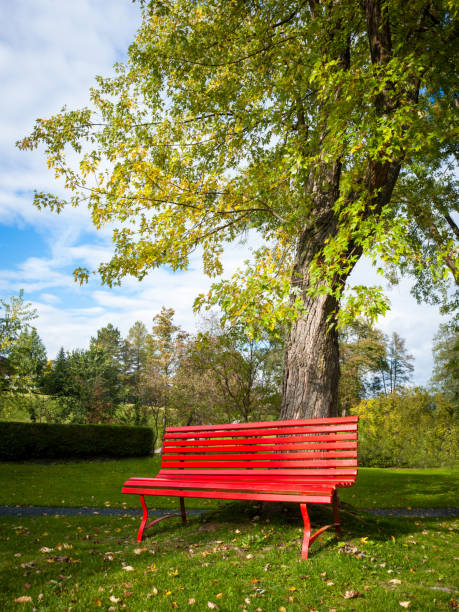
{"x": 19, "y": 441}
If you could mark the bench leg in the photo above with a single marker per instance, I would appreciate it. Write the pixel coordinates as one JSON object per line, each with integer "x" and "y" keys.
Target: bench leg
{"x": 308, "y": 539}
{"x": 336, "y": 517}
{"x": 144, "y": 518}
{"x": 307, "y": 531}
{"x": 143, "y": 522}
{"x": 182, "y": 509}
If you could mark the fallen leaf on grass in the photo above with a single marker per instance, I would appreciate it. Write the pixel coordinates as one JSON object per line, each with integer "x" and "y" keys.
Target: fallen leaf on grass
{"x": 114, "y": 599}
{"x": 45, "y": 549}
{"x": 211, "y": 605}
{"x": 348, "y": 549}
{"x": 23, "y": 599}
{"x": 128, "y": 568}
{"x": 351, "y": 594}
{"x": 219, "y": 595}
{"x": 395, "y": 581}
{"x": 191, "y": 601}
{"x": 405, "y": 604}
{"x": 139, "y": 551}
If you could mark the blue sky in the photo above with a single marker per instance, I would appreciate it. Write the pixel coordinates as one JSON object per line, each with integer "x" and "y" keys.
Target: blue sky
{"x": 50, "y": 52}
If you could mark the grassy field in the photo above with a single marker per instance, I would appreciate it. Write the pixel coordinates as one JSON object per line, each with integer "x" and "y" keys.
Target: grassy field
{"x": 230, "y": 559}
{"x": 98, "y": 483}
{"x": 235, "y": 557}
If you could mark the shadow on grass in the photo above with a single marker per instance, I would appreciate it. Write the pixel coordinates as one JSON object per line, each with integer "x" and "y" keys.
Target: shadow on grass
{"x": 355, "y": 523}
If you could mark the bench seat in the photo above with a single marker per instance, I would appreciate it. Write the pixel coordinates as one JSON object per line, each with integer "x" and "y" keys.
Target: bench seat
{"x": 233, "y": 489}
{"x": 302, "y": 461}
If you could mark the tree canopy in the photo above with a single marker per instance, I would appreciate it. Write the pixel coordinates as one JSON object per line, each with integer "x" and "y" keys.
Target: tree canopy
{"x": 326, "y": 127}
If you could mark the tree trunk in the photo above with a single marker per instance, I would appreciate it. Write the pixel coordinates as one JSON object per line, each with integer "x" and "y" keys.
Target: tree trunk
{"x": 311, "y": 367}
{"x": 311, "y": 362}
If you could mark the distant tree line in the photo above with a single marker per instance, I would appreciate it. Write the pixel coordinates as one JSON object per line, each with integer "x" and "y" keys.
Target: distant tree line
{"x": 165, "y": 375}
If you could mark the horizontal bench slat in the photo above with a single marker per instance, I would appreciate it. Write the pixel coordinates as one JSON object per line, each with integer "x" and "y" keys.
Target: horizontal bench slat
{"x": 261, "y": 431}
{"x": 326, "y": 440}
{"x": 235, "y": 485}
{"x": 260, "y": 456}
{"x": 274, "y": 464}
{"x": 266, "y": 472}
{"x": 267, "y": 424}
{"x": 319, "y": 499}
{"x": 332, "y": 446}
{"x": 184, "y": 476}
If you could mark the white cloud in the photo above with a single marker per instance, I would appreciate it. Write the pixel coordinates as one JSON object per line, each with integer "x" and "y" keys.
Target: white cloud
{"x": 50, "y": 53}
{"x": 50, "y": 298}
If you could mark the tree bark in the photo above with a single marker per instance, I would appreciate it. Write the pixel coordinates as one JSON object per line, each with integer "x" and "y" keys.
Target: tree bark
{"x": 311, "y": 366}
{"x": 311, "y": 363}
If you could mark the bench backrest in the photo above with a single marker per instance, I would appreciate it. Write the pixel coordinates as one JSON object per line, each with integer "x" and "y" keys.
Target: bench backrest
{"x": 308, "y": 448}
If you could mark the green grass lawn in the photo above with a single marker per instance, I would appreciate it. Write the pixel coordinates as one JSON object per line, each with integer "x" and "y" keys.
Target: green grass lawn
{"x": 231, "y": 559}
{"x": 235, "y": 557}
{"x": 98, "y": 483}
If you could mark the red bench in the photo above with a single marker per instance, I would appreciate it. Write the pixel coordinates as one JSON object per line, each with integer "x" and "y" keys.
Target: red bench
{"x": 302, "y": 461}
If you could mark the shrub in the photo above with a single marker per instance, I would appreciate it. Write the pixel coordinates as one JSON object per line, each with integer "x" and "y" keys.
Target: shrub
{"x": 20, "y": 441}
{"x": 410, "y": 428}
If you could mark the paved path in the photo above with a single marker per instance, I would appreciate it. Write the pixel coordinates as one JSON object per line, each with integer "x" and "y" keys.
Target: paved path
{"x": 56, "y": 510}
{"x": 415, "y": 512}
{"x": 86, "y": 511}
